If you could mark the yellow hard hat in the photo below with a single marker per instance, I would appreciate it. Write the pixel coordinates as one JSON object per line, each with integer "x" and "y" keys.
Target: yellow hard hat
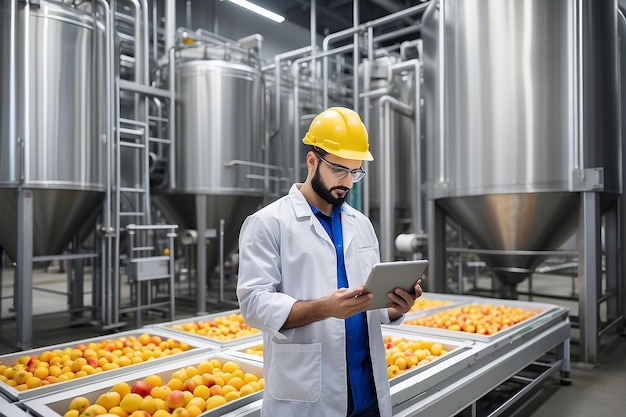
{"x": 339, "y": 131}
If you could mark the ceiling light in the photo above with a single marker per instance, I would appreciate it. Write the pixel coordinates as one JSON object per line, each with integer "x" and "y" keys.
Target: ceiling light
{"x": 259, "y": 10}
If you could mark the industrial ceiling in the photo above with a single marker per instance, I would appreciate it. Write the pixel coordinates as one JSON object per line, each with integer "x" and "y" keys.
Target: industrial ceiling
{"x": 335, "y": 15}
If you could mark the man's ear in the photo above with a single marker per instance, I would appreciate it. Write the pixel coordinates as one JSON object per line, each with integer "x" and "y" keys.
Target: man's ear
{"x": 310, "y": 159}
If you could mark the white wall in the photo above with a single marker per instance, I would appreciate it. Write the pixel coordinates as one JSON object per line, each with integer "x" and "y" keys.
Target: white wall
{"x": 233, "y": 22}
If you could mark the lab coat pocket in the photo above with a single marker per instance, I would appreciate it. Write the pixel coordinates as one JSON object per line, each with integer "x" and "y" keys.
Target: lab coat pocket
{"x": 295, "y": 372}
{"x": 368, "y": 257}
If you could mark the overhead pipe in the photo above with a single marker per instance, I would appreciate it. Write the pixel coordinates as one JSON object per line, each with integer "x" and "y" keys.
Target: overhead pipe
{"x": 372, "y": 23}
{"x": 354, "y": 31}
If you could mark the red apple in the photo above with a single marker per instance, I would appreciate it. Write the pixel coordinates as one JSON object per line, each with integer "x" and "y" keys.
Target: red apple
{"x": 141, "y": 387}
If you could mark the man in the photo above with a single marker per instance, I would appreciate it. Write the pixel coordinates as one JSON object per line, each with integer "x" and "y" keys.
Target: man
{"x": 303, "y": 260}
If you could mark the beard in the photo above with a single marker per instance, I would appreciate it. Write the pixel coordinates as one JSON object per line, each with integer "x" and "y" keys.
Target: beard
{"x": 326, "y": 193}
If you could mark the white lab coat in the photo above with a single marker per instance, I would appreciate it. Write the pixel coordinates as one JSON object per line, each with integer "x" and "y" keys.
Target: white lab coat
{"x": 286, "y": 255}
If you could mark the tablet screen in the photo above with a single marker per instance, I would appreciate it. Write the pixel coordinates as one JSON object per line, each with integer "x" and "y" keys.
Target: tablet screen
{"x": 385, "y": 277}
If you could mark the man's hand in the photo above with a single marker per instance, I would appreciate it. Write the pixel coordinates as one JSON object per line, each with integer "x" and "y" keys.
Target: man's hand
{"x": 346, "y": 302}
{"x": 401, "y": 301}
{"x": 341, "y": 304}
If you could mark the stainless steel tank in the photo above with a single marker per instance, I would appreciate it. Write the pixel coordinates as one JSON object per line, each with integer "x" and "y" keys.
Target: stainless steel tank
{"x": 522, "y": 102}
{"x": 49, "y": 139}
{"x": 219, "y": 142}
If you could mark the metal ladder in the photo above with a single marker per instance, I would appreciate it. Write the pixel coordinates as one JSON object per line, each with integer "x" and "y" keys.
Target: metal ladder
{"x": 139, "y": 127}
{"x": 133, "y": 142}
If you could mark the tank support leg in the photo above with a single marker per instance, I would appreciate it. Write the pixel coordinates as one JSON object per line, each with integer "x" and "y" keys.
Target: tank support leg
{"x": 24, "y": 271}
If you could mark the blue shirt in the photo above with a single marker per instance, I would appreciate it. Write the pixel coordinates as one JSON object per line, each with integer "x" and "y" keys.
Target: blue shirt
{"x": 360, "y": 378}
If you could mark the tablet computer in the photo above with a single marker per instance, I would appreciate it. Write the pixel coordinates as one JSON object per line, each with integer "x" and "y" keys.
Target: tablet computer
{"x": 385, "y": 277}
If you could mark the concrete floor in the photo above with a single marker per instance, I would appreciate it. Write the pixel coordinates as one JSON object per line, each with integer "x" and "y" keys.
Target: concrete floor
{"x": 598, "y": 391}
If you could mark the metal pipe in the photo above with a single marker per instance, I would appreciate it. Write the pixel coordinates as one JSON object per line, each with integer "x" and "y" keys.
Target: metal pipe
{"x": 23, "y": 280}
{"x": 145, "y": 106}
{"x": 313, "y": 24}
{"x": 171, "y": 235}
{"x": 442, "y": 90}
{"x": 386, "y": 220}
{"x": 400, "y": 33}
{"x": 12, "y": 84}
{"x": 170, "y": 24}
{"x": 354, "y": 32}
{"x": 387, "y": 197}
{"x": 373, "y": 23}
{"x": 115, "y": 288}
{"x": 578, "y": 88}
{"x": 406, "y": 45}
{"x": 172, "y": 116}
{"x": 365, "y": 194}
{"x": 151, "y": 226}
{"x": 64, "y": 257}
{"x": 416, "y": 148}
{"x": 108, "y": 230}
{"x": 277, "y": 60}
{"x": 201, "y": 249}
{"x": 155, "y": 32}
{"x": 206, "y": 36}
{"x": 26, "y": 98}
{"x": 355, "y": 58}
{"x": 221, "y": 299}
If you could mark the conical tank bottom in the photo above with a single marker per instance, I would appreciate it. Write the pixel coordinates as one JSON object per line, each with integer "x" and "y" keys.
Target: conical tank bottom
{"x": 515, "y": 222}
{"x": 57, "y": 217}
{"x": 180, "y": 208}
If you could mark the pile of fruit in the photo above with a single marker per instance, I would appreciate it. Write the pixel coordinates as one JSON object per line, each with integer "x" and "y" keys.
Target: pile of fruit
{"x": 484, "y": 319}
{"x": 189, "y": 392}
{"x": 223, "y": 328}
{"x": 425, "y": 303}
{"x": 401, "y": 354}
{"x": 404, "y": 354}
{"x": 60, "y": 365}
{"x": 254, "y": 350}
